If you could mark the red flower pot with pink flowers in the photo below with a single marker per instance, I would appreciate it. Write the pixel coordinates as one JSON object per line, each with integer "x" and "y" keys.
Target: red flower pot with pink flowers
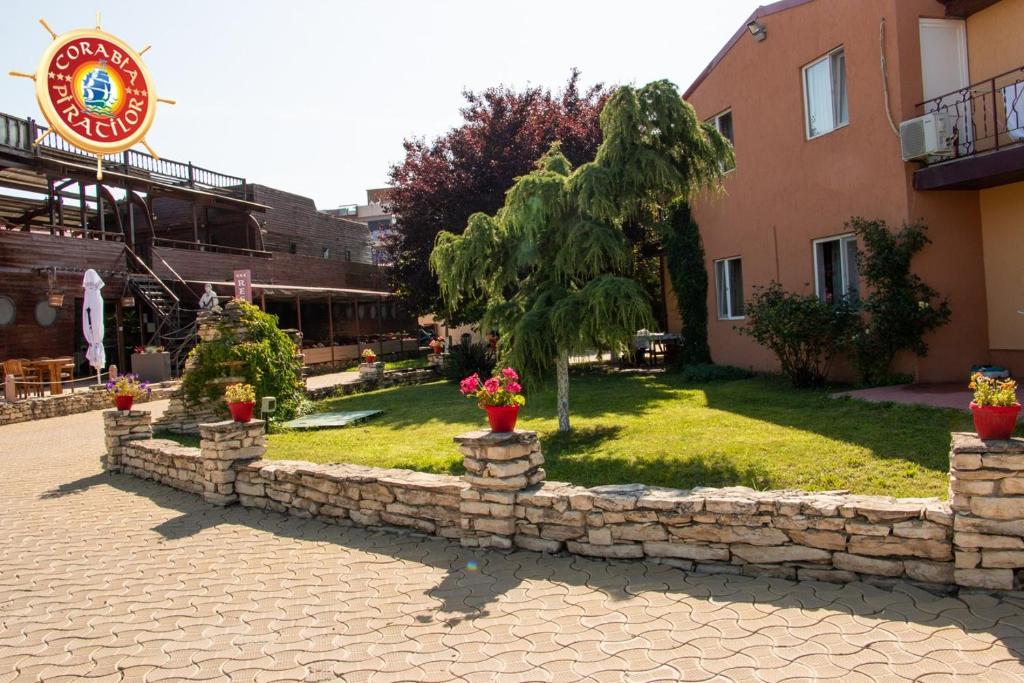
{"x": 501, "y": 396}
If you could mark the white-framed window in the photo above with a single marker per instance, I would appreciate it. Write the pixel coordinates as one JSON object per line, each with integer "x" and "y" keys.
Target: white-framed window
{"x": 835, "y": 268}
{"x": 825, "y": 103}
{"x": 729, "y": 288}
{"x": 723, "y": 124}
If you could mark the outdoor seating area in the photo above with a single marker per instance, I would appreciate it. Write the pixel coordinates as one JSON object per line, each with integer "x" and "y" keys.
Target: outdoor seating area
{"x": 39, "y": 377}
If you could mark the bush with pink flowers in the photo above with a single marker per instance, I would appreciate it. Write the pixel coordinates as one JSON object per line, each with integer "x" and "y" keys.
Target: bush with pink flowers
{"x": 503, "y": 389}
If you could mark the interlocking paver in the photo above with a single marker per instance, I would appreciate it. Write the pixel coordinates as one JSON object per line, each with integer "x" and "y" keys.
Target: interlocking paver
{"x": 111, "y": 578}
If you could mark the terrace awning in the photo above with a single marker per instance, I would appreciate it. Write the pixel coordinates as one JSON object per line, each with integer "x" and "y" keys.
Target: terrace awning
{"x": 296, "y": 290}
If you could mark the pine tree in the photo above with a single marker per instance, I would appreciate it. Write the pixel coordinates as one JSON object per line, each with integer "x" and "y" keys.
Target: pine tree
{"x": 554, "y": 267}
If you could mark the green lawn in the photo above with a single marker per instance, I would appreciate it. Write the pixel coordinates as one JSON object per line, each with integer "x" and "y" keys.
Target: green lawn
{"x": 660, "y": 430}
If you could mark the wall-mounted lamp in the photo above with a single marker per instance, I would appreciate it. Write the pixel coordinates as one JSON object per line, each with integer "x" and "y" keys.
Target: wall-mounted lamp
{"x": 757, "y": 30}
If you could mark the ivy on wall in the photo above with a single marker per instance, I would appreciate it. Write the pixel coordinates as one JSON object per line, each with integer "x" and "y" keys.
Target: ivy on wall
{"x": 684, "y": 257}
{"x": 260, "y": 352}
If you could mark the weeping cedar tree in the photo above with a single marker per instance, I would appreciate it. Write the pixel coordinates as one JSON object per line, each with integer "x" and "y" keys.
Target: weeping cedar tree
{"x": 684, "y": 258}
{"x": 554, "y": 266}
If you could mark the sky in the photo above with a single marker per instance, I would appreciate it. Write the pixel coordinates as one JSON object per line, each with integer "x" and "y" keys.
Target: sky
{"x": 316, "y": 97}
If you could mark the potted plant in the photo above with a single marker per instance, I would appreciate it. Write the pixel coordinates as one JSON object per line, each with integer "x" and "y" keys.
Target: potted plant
{"x": 369, "y": 356}
{"x": 241, "y": 400}
{"x": 436, "y": 345}
{"x": 501, "y": 396}
{"x": 125, "y": 389}
{"x": 995, "y": 407}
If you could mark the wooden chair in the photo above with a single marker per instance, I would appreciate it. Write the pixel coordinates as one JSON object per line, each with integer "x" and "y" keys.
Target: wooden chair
{"x": 22, "y": 374}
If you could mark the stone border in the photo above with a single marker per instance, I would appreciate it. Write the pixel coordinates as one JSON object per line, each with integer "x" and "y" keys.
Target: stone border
{"x": 373, "y": 381}
{"x": 977, "y": 541}
{"x": 84, "y": 400}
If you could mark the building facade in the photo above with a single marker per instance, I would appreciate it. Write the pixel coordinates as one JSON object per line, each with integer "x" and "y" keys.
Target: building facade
{"x": 813, "y": 94}
{"x": 375, "y": 215}
{"x": 158, "y": 232}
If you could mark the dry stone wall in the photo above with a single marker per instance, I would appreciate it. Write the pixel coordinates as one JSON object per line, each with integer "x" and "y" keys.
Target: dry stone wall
{"x": 976, "y": 540}
{"x": 81, "y": 401}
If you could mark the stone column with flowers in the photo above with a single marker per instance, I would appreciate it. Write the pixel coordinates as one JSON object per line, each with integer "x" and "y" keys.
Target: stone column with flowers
{"x": 499, "y": 464}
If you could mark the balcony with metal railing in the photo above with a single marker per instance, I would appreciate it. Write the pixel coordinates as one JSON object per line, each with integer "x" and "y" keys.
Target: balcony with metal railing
{"x": 987, "y": 145}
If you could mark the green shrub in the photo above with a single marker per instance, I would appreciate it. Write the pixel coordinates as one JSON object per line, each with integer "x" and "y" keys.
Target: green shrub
{"x": 269, "y": 357}
{"x": 466, "y": 358}
{"x": 709, "y": 372}
{"x": 684, "y": 259}
{"x": 804, "y": 332}
{"x": 900, "y": 307}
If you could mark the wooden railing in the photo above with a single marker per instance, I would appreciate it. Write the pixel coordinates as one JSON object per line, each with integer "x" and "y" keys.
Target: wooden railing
{"x": 212, "y": 248}
{"x": 18, "y": 134}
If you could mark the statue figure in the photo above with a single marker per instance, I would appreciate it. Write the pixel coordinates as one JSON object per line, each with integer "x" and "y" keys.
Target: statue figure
{"x": 209, "y": 300}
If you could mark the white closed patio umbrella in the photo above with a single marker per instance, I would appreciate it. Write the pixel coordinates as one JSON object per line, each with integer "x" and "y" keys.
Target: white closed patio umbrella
{"x": 92, "y": 321}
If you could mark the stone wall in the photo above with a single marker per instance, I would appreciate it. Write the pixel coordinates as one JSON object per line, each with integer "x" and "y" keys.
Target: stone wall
{"x": 986, "y": 492}
{"x": 390, "y": 378}
{"x": 82, "y": 401}
{"x": 503, "y": 501}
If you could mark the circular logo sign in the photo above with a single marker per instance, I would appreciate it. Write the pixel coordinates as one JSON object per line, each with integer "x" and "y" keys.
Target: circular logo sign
{"x": 95, "y": 91}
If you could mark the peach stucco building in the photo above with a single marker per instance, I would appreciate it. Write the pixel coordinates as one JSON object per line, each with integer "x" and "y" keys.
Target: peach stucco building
{"x": 801, "y": 92}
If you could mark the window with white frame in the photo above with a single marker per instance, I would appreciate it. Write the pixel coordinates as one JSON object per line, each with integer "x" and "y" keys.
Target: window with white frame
{"x": 835, "y": 268}
{"x": 729, "y": 288}
{"x": 723, "y": 124}
{"x": 825, "y": 94}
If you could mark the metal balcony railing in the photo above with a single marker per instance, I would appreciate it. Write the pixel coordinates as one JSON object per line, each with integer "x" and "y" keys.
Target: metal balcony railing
{"x": 18, "y": 134}
{"x": 989, "y": 114}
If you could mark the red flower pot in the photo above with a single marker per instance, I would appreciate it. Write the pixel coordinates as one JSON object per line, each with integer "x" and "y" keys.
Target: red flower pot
{"x": 370, "y": 359}
{"x": 242, "y": 412}
{"x": 124, "y": 402}
{"x": 994, "y": 422}
{"x": 502, "y": 418}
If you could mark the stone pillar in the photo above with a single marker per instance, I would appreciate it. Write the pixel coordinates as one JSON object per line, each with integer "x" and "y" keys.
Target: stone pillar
{"x": 986, "y": 492}
{"x": 435, "y": 360}
{"x": 372, "y": 372}
{"x": 120, "y": 427}
{"x": 222, "y": 445}
{"x": 498, "y": 466}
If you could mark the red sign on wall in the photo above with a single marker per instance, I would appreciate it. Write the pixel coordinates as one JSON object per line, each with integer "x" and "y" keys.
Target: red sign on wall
{"x": 243, "y": 285}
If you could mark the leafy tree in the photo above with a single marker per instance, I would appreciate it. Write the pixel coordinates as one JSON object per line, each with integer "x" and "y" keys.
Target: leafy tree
{"x": 900, "y": 308}
{"x": 555, "y": 267}
{"x": 804, "y": 332}
{"x": 441, "y": 183}
{"x": 684, "y": 259}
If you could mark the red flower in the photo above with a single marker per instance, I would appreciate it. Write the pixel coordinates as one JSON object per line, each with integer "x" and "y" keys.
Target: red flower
{"x": 470, "y": 384}
{"x": 513, "y": 387}
{"x": 510, "y": 373}
{"x": 491, "y": 385}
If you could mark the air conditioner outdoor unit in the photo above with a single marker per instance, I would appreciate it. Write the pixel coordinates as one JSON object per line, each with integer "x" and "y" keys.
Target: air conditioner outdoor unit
{"x": 927, "y": 136}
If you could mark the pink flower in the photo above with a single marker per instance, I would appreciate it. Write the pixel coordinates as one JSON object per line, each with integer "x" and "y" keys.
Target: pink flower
{"x": 470, "y": 384}
{"x": 513, "y": 387}
{"x": 491, "y": 385}
{"x": 510, "y": 373}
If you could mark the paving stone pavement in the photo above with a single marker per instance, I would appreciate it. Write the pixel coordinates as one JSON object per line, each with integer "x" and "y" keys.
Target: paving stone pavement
{"x": 108, "y": 578}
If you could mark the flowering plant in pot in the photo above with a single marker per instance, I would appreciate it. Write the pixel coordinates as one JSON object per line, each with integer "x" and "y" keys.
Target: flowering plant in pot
{"x": 436, "y": 345}
{"x": 125, "y": 389}
{"x": 501, "y": 396}
{"x": 995, "y": 407}
{"x": 369, "y": 356}
{"x": 241, "y": 400}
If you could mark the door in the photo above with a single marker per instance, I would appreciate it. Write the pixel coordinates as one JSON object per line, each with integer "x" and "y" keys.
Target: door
{"x": 944, "y": 72}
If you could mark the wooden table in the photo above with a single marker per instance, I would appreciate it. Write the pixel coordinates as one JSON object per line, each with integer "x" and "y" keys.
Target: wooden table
{"x": 53, "y": 366}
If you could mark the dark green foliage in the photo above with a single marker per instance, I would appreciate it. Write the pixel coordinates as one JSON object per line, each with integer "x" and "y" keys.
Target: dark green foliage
{"x": 684, "y": 257}
{"x": 466, "y": 358}
{"x": 900, "y": 308}
{"x": 804, "y": 332}
{"x": 269, "y": 357}
{"x": 709, "y": 372}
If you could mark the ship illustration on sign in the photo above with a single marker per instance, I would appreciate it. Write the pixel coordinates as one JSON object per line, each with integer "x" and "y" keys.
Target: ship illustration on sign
{"x": 99, "y": 94}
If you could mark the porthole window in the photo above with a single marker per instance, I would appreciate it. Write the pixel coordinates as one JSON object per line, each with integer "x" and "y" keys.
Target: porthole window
{"x": 7, "y": 310}
{"x": 46, "y": 315}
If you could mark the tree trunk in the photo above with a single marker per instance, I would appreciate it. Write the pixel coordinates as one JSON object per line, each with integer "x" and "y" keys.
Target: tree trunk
{"x": 562, "y": 378}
